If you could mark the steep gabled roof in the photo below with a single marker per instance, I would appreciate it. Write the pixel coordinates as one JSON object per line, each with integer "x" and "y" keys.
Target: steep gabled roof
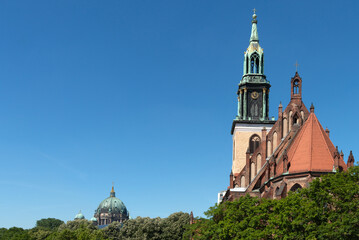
{"x": 312, "y": 149}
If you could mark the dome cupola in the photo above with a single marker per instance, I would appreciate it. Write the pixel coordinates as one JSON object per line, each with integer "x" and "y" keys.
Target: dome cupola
{"x": 79, "y": 216}
{"x": 111, "y": 209}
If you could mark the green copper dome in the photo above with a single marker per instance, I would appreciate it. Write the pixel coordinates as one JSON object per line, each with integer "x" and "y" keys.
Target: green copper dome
{"x": 79, "y": 215}
{"x": 93, "y": 219}
{"x": 112, "y": 205}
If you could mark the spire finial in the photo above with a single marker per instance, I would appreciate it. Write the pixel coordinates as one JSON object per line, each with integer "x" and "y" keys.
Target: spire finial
{"x": 112, "y": 193}
{"x": 254, "y": 16}
{"x": 254, "y": 34}
{"x": 296, "y": 66}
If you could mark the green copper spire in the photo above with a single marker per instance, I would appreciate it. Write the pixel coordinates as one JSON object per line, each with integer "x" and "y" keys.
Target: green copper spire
{"x": 253, "y": 89}
{"x": 254, "y": 34}
{"x": 253, "y": 57}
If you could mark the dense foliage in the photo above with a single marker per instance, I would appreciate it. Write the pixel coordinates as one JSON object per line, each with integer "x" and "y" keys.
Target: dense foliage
{"x": 171, "y": 228}
{"x": 49, "y": 223}
{"x": 328, "y": 209}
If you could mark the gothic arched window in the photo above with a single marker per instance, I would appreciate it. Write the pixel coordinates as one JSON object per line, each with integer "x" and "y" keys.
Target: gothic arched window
{"x": 296, "y": 87}
{"x": 296, "y": 119}
{"x": 254, "y": 143}
{"x": 254, "y": 63}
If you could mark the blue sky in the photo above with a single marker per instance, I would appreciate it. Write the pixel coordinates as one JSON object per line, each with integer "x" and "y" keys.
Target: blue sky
{"x": 143, "y": 93}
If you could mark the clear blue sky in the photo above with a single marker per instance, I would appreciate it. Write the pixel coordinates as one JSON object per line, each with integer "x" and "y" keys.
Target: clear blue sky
{"x": 143, "y": 93}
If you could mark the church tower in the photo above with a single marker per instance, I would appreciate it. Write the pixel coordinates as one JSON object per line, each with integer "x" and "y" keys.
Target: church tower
{"x": 252, "y": 113}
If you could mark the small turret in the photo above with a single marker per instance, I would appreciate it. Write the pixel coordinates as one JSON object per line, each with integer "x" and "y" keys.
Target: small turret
{"x": 231, "y": 180}
{"x": 327, "y": 131}
{"x": 312, "y": 108}
{"x": 191, "y": 218}
{"x": 350, "y": 162}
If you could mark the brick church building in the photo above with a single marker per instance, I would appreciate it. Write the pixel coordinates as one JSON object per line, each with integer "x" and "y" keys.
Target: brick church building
{"x": 271, "y": 158}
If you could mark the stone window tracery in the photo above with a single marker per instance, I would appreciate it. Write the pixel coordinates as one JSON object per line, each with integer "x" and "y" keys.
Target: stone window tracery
{"x": 254, "y": 143}
{"x": 254, "y": 63}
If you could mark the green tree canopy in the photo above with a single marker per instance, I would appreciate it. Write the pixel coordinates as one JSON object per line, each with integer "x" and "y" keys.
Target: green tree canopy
{"x": 14, "y": 233}
{"x": 327, "y": 209}
{"x": 49, "y": 223}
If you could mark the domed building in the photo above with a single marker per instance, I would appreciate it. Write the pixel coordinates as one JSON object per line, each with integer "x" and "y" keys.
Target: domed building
{"x": 79, "y": 216}
{"x": 111, "y": 209}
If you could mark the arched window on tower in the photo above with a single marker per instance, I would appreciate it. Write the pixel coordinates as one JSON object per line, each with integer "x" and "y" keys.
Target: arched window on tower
{"x": 254, "y": 63}
{"x": 296, "y": 119}
{"x": 296, "y": 87}
{"x": 253, "y": 170}
{"x": 243, "y": 181}
{"x": 254, "y": 143}
{"x": 259, "y": 162}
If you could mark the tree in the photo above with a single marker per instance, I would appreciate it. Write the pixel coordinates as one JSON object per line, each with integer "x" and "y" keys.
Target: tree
{"x": 77, "y": 224}
{"x": 14, "y": 233}
{"x": 49, "y": 223}
{"x": 170, "y": 228}
{"x": 328, "y": 209}
{"x": 112, "y": 231}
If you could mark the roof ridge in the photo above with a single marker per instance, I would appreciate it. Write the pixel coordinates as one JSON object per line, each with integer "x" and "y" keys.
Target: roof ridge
{"x": 301, "y": 133}
{"x": 311, "y": 143}
{"x": 322, "y": 135}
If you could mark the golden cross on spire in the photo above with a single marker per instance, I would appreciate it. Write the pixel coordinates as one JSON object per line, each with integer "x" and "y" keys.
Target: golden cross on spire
{"x": 254, "y": 10}
{"x": 296, "y": 66}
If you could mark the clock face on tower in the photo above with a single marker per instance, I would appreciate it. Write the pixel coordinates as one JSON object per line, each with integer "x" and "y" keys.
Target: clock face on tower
{"x": 255, "y": 105}
{"x": 254, "y": 95}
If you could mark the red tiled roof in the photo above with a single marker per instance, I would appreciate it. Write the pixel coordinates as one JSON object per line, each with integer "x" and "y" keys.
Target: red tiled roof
{"x": 312, "y": 149}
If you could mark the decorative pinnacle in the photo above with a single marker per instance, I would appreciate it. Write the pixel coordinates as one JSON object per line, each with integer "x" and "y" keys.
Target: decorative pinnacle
{"x": 312, "y": 108}
{"x": 254, "y": 16}
{"x": 254, "y": 34}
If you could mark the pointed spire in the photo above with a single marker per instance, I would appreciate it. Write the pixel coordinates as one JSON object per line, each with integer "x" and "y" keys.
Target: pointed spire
{"x": 112, "y": 193}
{"x": 312, "y": 108}
{"x": 191, "y": 218}
{"x": 254, "y": 34}
{"x": 350, "y": 162}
